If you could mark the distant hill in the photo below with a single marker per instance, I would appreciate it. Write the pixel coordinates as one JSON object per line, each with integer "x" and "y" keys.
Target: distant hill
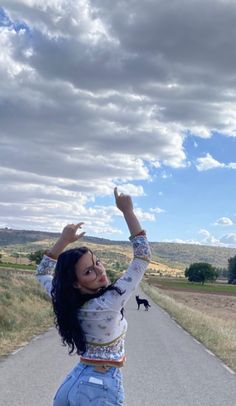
{"x": 172, "y": 254}
{"x": 9, "y": 236}
{"x": 182, "y": 255}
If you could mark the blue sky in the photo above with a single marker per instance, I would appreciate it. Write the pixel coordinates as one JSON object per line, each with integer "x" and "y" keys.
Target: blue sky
{"x": 139, "y": 96}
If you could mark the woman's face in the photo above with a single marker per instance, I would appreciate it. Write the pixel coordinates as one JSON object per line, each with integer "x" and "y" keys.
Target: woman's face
{"x": 91, "y": 274}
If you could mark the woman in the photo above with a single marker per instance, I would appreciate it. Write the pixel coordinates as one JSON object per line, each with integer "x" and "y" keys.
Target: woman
{"x": 88, "y": 312}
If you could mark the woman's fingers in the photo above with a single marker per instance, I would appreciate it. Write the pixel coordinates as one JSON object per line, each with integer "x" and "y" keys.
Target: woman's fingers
{"x": 78, "y": 225}
{"x": 116, "y": 193}
{"x": 78, "y": 236}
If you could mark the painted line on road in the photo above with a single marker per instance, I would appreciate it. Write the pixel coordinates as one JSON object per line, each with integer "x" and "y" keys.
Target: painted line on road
{"x": 210, "y": 352}
{"x": 35, "y": 338}
{"x": 228, "y": 369}
{"x": 16, "y": 351}
{"x": 196, "y": 341}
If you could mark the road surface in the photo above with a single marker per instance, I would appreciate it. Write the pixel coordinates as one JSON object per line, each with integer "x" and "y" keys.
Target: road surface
{"x": 165, "y": 367}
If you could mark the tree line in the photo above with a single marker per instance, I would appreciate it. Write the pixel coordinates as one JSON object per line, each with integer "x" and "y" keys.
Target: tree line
{"x": 202, "y": 272}
{"x": 196, "y": 272}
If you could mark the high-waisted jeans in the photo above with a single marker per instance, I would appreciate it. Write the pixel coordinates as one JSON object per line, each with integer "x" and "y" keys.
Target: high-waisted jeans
{"x": 84, "y": 386}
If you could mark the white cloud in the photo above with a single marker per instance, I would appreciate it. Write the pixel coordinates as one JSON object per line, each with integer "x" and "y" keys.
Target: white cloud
{"x": 181, "y": 241}
{"x": 205, "y": 233}
{"x": 144, "y": 215}
{"x": 200, "y": 131}
{"x": 157, "y": 210}
{"x": 94, "y": 96}
{"x": 229, "y": 239}
{"x": 130, "y": 189}
{"x": 208, "y": 162}
{"x": 165, "y": 175}
{"x": 208, "y": 238}
{"x": 225, "y": 221}
{"x": 232, "y": 165}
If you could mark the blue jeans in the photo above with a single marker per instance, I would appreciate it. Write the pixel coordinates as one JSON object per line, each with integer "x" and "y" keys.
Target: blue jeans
{"x": 84, "y": 386}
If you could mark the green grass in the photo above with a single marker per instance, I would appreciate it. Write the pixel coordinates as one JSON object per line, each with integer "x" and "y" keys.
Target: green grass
{"x": 184, "y": 284}
{"x": 4, "y": 265}
{"x": 25, "y": 310}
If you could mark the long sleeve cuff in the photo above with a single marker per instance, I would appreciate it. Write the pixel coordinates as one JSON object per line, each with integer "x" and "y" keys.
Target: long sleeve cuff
{"x": 46, "y": 266}
{"x": 141, "y": 248}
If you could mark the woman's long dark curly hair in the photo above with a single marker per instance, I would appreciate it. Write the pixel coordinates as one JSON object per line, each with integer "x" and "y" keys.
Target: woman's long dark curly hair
{"x": 67, "y": 299}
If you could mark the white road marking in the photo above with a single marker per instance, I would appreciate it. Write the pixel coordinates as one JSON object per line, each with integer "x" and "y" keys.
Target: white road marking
{"x": 210, "y": 352}
{"x": 228, "y": 369}
{"x": 16, "y": 351}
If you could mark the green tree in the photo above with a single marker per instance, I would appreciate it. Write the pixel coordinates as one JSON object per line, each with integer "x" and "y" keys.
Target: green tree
{"x": 232, "y": 269}
{"x": 222, "y": 272}
{"x": 36, "y": 256}
{"x": 112, "y": 275}
{"x": 15, "y": 255}
{"x": 201, "y": 272}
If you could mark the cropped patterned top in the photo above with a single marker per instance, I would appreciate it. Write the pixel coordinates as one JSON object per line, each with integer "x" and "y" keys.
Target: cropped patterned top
{"x": 100, "y": 318}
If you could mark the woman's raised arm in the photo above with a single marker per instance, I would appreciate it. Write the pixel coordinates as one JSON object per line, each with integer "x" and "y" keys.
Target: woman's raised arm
{"x": 124, "y": 204}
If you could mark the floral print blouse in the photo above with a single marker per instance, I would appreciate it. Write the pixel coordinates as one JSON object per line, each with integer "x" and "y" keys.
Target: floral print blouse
{"x": 100, "y": 318}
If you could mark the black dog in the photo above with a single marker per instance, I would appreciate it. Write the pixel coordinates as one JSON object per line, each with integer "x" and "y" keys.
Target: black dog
{"x": 142, "y": 301}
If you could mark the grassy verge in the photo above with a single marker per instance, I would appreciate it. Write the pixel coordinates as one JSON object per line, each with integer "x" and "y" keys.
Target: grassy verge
{"x": 25, "y": 310}
{"x": 216, "y": 334}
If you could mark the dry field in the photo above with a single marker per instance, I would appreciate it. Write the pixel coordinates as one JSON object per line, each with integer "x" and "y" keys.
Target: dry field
{"x": 217, "y": 305}
{"x": 156, "y": 268}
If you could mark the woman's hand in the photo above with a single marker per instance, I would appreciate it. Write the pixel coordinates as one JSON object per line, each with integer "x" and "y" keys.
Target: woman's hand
{"x": 69, "y": 233}
{"x": 123, "y": 202}
{"x": 67, "y": 236}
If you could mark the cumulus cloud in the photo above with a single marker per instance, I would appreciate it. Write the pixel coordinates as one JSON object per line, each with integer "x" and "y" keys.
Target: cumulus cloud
{"x": 157, "y": 210}
{"x": 93, "y": 96}
{"x": 224, "y": 221}
{"x": 208, "y": 238}
{"x": 229, "y": 239}
{"x": 144, "y": 215}
{"x": 131, "y": 189}
{"x": 208, "y": 162}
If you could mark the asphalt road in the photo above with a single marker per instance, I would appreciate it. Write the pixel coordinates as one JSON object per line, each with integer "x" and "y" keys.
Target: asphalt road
{"x": 165, "y": 367}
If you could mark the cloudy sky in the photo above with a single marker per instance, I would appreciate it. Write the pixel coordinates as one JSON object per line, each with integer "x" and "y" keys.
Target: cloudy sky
{"x": 128, "y": 93}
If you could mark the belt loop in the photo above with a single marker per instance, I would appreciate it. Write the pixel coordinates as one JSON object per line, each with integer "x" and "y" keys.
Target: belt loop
{"x": 115, "y": 372}
{"x": 103, "y": 369}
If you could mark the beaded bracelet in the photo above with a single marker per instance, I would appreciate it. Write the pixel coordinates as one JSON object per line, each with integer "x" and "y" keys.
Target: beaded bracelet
{"x": 142, "y": 232}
